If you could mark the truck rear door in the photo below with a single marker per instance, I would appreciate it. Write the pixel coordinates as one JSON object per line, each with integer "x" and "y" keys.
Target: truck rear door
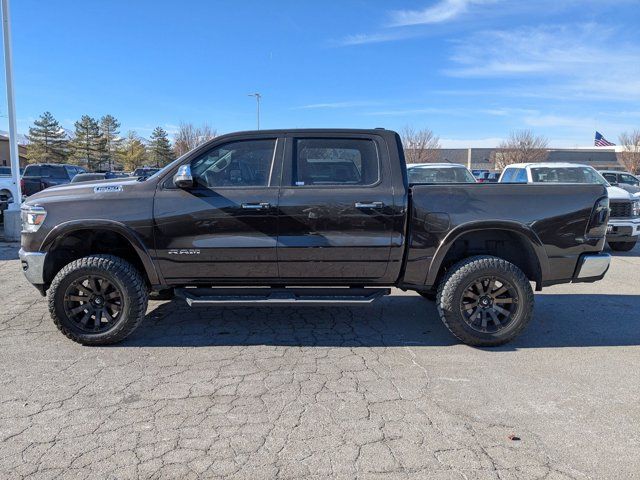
{"x": 336, "y": 209}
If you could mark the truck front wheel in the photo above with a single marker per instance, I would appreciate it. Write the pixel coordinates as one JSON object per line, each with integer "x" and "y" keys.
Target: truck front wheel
{"x": 485, "y": 301}
{"x": 98, "y": 300}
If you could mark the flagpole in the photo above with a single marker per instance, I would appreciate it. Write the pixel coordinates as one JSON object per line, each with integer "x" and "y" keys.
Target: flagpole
{"x": 11, "y": 109}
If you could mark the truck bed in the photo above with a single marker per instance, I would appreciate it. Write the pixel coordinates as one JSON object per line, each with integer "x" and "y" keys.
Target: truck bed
{"x": 551, "y": 216}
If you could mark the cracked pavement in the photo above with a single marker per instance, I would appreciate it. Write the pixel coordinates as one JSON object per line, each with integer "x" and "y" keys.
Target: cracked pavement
{"x": 367, "y": 392}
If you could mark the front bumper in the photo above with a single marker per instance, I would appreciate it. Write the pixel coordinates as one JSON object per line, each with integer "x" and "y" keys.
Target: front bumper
{"x": 33, "y": 266}
{"x": 623, "y": 229}
{"x": 592, "y": 267}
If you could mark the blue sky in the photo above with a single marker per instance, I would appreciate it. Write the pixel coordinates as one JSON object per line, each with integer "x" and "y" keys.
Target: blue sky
{"x": 471, "y": 70}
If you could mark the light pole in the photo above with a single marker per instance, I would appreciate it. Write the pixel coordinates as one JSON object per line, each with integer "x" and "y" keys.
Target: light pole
{"x": 258, "y": 97}
{"x": 11, "y": 109}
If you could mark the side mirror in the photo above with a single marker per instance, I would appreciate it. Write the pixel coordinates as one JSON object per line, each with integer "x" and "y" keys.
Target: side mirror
{"x": 183, "y": 177}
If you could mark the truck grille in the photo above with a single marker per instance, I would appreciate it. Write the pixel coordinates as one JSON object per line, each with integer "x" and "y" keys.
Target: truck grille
{"x": 620, "y": 209}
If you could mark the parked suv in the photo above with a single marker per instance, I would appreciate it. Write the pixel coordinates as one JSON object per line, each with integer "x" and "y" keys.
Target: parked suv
{"x": 624, "y": 221}
{"x": 39, "y": 176}
{"x": 623, "y": 180}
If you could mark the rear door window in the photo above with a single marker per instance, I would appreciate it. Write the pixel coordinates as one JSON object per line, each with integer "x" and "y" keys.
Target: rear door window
{"x": 335, "y": 161}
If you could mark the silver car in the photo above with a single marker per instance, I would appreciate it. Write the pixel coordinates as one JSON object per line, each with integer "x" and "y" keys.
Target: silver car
{"x": 439, "y": 173}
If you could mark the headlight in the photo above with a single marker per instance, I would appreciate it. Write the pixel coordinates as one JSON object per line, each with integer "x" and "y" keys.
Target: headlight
{"x": 635, "y": 208}
{"x": 32, "y": 218}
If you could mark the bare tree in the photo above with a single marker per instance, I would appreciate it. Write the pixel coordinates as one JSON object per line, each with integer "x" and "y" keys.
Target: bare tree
{"x": 521, "y": 146}
{"x": 420, "y": 146}
{"x": 630, "y": 155}
{"x": 189, "y": 137}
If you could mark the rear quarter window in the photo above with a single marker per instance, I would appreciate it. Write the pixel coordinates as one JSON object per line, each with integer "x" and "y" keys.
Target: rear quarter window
{"x": 508, "y": 174}
{"x": 32, "y": 171}
{"x": 521, "y": 176}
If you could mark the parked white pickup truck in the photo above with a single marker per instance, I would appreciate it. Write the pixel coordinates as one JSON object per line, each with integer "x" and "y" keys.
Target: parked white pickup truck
{"x": 6, "y": 197}
{"x": 624, "y": 221}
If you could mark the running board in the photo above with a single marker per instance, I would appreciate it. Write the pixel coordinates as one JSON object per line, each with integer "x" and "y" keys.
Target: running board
{"x": 255, "y": 297}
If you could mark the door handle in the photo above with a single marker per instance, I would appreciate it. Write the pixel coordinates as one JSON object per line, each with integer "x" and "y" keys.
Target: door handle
{"x": 369, "y": 204}
{"x": 256, "y": 206}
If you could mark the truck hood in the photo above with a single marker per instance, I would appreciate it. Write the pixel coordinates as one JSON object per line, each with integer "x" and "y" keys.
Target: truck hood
{"x": 617, "y": 193}
{"x": 86, "y": 190}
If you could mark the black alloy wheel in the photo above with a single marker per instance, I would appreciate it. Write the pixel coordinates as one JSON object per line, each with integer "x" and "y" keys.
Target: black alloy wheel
{"x": 98, "y": 299}
{"x": 489, "y": 304}
{"x": 94, "y": 303}
{"x": 485, "y": 300}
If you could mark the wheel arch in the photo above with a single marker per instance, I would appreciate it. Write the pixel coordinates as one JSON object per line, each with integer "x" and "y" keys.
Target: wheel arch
{"x": 134, "y": 249}
{"x": 534, "y": 262}
{"x": 7, "y": 192}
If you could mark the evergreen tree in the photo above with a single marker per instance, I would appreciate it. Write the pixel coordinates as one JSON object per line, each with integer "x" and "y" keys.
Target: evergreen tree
{"x": 160, "y": 151}
{"x": 109, "y": 140}
{"x": 48, "y": 141}
{"x": 132, "y": 153}
{"x": 86, "y": 144}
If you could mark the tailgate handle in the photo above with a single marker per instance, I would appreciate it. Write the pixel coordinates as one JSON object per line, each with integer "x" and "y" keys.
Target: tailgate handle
{"x": 256, "y": 206}
{"x": 369, "y": 204}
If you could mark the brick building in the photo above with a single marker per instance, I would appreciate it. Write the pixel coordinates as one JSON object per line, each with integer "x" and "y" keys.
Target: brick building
{"x": 5, "y": 157}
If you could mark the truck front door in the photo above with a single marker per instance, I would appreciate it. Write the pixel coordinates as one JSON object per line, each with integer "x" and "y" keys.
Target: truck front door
{"x": 225, "y": 227}
{"x": 336, "y": 210}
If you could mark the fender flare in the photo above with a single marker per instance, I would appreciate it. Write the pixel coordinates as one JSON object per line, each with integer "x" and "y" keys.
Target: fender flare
{"x": 130, "y": 235}
{"x": 522, "y": 230}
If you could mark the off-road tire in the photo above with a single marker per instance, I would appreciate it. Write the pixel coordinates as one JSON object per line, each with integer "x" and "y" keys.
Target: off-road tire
{"x": 622, "y": 246}
{"x": 118, "y": 271}
{"x": 452, "y": 287}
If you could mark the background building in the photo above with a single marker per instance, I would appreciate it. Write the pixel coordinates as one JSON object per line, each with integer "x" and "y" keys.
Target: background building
{"x": 481, "y": 158}
{"x": 4, "y": 153}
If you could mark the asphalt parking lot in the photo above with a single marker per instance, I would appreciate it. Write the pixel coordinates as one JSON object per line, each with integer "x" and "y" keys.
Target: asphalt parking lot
{"x": 371, "y": 392}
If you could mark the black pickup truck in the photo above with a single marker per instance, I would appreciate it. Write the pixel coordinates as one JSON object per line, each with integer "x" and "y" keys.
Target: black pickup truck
{"x": 306, "y": 217}
{"x": 37, "y": 177}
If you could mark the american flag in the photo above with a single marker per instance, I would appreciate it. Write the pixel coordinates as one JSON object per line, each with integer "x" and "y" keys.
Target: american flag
{"x": 600, "y": 141}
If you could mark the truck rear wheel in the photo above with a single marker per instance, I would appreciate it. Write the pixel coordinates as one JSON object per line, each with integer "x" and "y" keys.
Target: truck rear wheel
{"x": 622, "y": 246}
{"x": 485, "y": 301}
{"x": 98, "y": 300}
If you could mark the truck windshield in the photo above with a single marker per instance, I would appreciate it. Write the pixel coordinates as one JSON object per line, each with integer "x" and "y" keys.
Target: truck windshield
{"x": 440, "y": 175}
{"x": 567, "y": 175}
